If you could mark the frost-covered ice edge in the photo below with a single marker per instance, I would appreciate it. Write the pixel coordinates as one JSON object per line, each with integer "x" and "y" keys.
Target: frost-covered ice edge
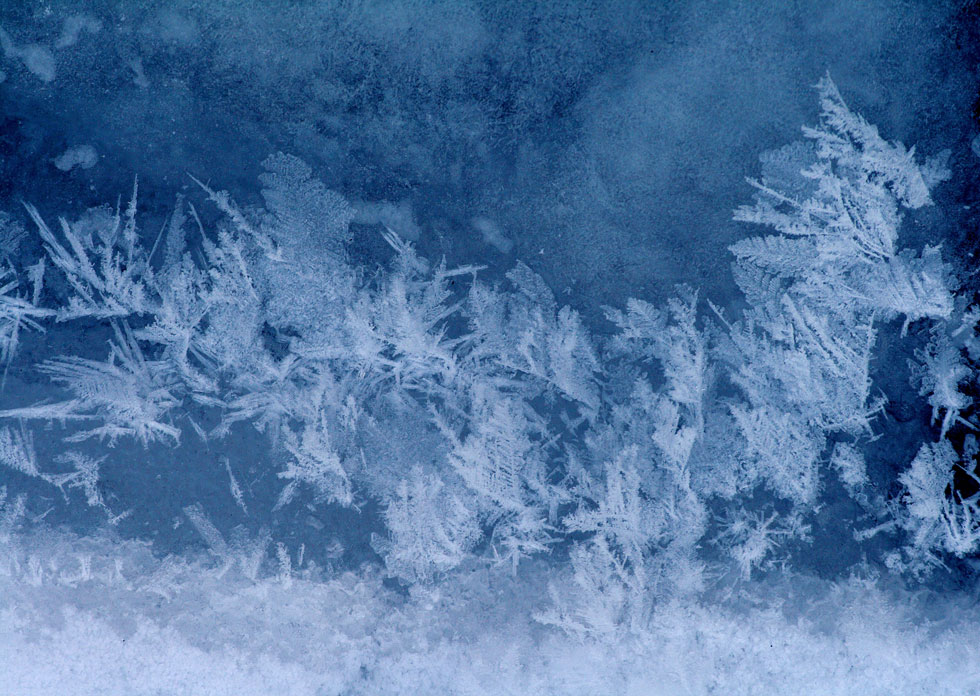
{"x": 97, "y": 615}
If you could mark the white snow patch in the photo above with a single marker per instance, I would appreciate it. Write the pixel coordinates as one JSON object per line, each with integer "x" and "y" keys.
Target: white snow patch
{"x": 83, "y": 156}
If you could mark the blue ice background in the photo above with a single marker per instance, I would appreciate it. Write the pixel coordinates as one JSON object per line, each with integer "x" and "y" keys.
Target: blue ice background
{"x": 604, "y": 144}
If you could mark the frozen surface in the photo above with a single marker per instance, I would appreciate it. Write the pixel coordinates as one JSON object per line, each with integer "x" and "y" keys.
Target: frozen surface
{"x": 488, "y": 347}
